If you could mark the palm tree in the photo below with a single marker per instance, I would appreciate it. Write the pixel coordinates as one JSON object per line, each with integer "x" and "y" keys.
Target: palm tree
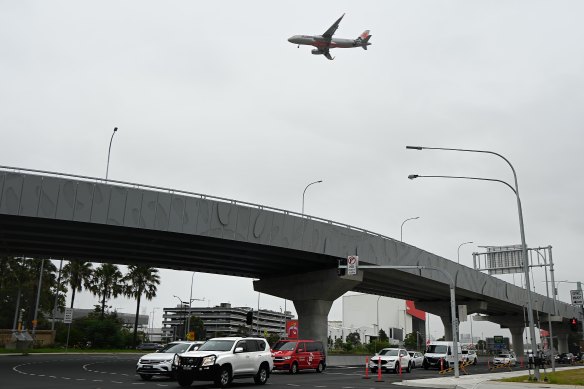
{"x": 107, "y": 282}
{"x": 140, "y": 280}
{"x": 77, "y": 274}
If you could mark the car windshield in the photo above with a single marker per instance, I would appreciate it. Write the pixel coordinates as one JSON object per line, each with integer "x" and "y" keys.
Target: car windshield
{"x": 285, "y": 346}
{"x": 389, "y": 352}
{"x": 465, "y": 351}
{"x": 504, "y": 356}
{"x": 175, "y": 348}
{"x": 217, "y": 345}
{"x": 437, "y": 349}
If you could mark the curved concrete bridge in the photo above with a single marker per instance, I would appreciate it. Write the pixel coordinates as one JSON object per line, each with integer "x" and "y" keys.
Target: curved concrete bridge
{"x": 293, "y": 256}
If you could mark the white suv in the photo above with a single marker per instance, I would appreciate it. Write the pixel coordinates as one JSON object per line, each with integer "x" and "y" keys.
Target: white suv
{"x": 159, "y": 363}
{"x": 391, "y": 359}
{"x": 223, "y": 359}
{"x": 470, "y": 356}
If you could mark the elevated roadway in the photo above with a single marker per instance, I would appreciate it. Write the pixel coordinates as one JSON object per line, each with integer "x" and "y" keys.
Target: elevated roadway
{"x": 294, "y": 256}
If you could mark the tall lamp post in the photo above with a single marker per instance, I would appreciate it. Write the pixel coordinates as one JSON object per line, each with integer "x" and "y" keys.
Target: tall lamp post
{"x": 401, "y": 235}
{"x": 303, "y": 193}
{"x": 109, "y": 152}
{"x": 521, "y": 229}
{"x": 459, "y": 246}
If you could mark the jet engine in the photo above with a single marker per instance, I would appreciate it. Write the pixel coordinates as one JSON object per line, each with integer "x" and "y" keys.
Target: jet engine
{"x": 316, "y": 52}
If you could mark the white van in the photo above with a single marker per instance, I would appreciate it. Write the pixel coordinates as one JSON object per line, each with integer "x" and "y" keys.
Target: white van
{"x": 437, "y": 350}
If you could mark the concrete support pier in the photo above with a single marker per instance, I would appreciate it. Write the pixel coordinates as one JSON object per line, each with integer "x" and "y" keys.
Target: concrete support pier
{"x": 313, "y": 294}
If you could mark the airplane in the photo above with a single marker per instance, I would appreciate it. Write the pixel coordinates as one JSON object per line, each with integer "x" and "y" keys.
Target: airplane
{"x": 325, "y": 42}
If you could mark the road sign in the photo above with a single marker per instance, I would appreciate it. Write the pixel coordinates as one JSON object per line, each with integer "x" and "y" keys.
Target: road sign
{"x": 68, "y": 317}
{"x": 352, "y": 265}
{"x": 577, "y": 297}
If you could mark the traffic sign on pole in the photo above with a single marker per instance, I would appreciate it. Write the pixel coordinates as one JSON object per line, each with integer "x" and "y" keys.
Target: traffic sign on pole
{"x": 68, "y": 317}
{"x": 577, "y": 297}
{"x": 352, "y": 265}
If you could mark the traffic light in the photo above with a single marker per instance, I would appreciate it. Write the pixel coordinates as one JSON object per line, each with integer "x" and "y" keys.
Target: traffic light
{"x": 574, "y": 324}
{"x": 249, "y": 317}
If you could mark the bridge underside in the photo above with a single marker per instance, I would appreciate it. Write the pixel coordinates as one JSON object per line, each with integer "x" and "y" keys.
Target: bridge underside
{"x": 27, "y": 236}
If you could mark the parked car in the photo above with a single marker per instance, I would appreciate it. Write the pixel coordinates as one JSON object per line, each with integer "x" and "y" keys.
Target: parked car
{"x": 470, "y": 356}
{"x": 505, "y": 359}
{"x": 160, "y": 362}
{"x": 391, "y": 359}
{"x": 224, "y": 359}
{"x": 417, "y": 359}
{"x": 149, "y": 346}
{"x": 566, "y": 358}
{"x": 295, "y": 355}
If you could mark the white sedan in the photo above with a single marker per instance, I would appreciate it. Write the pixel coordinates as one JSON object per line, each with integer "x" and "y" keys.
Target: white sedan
{"x": 505, "y": 359}
{"x": 417, "y": 358}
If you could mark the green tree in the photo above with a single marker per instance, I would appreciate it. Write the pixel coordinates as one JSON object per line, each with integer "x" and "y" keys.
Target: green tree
{"x": 77, "y": 274}
{"x": 411, "y": 341}
{"x": 19, "y": 284}
{"x": 106, "y": 282}
{"x": 481, "y": 345}
{"x": 354, "y": 339}
{"x": 140, "y": 281}
{"x": 383, "y": 336}
{"x": 198, "y": 326}
{"x": 338, "y": 343}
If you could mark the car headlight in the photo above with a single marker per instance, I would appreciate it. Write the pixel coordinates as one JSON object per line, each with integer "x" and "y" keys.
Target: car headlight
{"x": 208, "y": 361}
{"x": 140, "y": 360}
{"x": 287, "y": 357}
{"x": 176, "y": 360}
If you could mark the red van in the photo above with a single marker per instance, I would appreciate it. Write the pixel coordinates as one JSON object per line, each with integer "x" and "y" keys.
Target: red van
{"x": 294, "y": 355}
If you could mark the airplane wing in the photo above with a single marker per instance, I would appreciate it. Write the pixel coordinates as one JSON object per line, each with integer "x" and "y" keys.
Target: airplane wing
{"x": 327, "y": 54}
{"x": 328, "y": 34}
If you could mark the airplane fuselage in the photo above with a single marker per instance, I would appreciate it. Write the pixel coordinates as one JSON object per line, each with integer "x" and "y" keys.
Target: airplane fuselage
{"x": 319, "y": 42}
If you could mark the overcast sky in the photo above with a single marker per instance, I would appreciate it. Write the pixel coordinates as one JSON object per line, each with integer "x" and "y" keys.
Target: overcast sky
{"x": 210, "y": 97}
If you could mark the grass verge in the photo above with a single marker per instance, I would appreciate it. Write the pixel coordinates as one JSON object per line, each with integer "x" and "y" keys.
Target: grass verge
{"x": 564, "y": 377}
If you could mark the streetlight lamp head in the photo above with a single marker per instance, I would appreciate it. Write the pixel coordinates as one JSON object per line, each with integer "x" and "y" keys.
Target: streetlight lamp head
{"x": 412, "y": 176}
{"x": 115, "y": 129}
{"x": 414, "y": 147}
{"x": 319, "y": 181}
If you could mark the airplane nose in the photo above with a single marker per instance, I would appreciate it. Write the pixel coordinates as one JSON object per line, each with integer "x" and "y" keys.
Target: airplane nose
{"x": 291, "y": 39}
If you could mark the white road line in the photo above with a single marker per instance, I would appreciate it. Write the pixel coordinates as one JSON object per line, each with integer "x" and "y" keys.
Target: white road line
{"x": 52, "y": 376}
{"x": 117, "y": 382}
{"x": 65, "y": 378}
{"x": 292, "y": 385}
{"x": 97, "y": 380}
{"x": 40, "y": 375}
{"x": 79, "y": 379}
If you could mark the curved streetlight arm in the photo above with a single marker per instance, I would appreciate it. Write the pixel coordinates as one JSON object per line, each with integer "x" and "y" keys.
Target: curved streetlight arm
{"x": 401, "y": 236}
{"x": 109, "y": 152}
{"x": 458, "y": 253}
{"x": 414, "y": 176}
{"x": 304, "y": 192}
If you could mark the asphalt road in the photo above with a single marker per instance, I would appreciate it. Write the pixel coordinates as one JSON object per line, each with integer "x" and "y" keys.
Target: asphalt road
{"x": 117, "y": 371}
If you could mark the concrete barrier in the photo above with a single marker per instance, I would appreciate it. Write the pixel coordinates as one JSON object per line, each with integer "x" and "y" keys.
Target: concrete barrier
{"x": 345, "y": 360}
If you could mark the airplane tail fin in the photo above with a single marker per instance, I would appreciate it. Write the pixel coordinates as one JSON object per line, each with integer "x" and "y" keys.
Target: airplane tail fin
{"x": 363, "y": 39}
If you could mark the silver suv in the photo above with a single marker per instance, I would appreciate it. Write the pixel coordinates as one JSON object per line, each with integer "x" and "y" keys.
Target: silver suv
{"x": 223, "y": 359}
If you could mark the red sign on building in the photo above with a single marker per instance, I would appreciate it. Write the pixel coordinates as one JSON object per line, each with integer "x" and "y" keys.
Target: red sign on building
{"x": 292, "y": 329}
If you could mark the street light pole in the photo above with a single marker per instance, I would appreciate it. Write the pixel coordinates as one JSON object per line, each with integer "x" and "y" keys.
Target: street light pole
{"x": 462, "y": 244}
{"x": 303, "y": 193}
{"x": 522, "y": 232}
{"x": 109, "y": 152}
{"x": 401, "y": 235}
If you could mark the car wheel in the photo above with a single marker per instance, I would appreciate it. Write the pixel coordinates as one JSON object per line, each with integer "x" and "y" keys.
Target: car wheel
{"x": 184, "y": 381}
{"x": 409, "y": 369}
{"x": 396, "y": 368}
{"x": 425, "y": 365}
{"x": 320, "y": 367}
{"x": 146, "y": 377}
{"x": 223, "y": 377}
{"x": 475, "y": 361}
{"x": 294, "y": 368}
{"x": 262, "y": 376}
{"x": 373, "y": 370}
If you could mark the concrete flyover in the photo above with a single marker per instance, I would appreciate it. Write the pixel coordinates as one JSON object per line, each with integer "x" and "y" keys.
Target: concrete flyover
{"x": 293, "y": 256}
